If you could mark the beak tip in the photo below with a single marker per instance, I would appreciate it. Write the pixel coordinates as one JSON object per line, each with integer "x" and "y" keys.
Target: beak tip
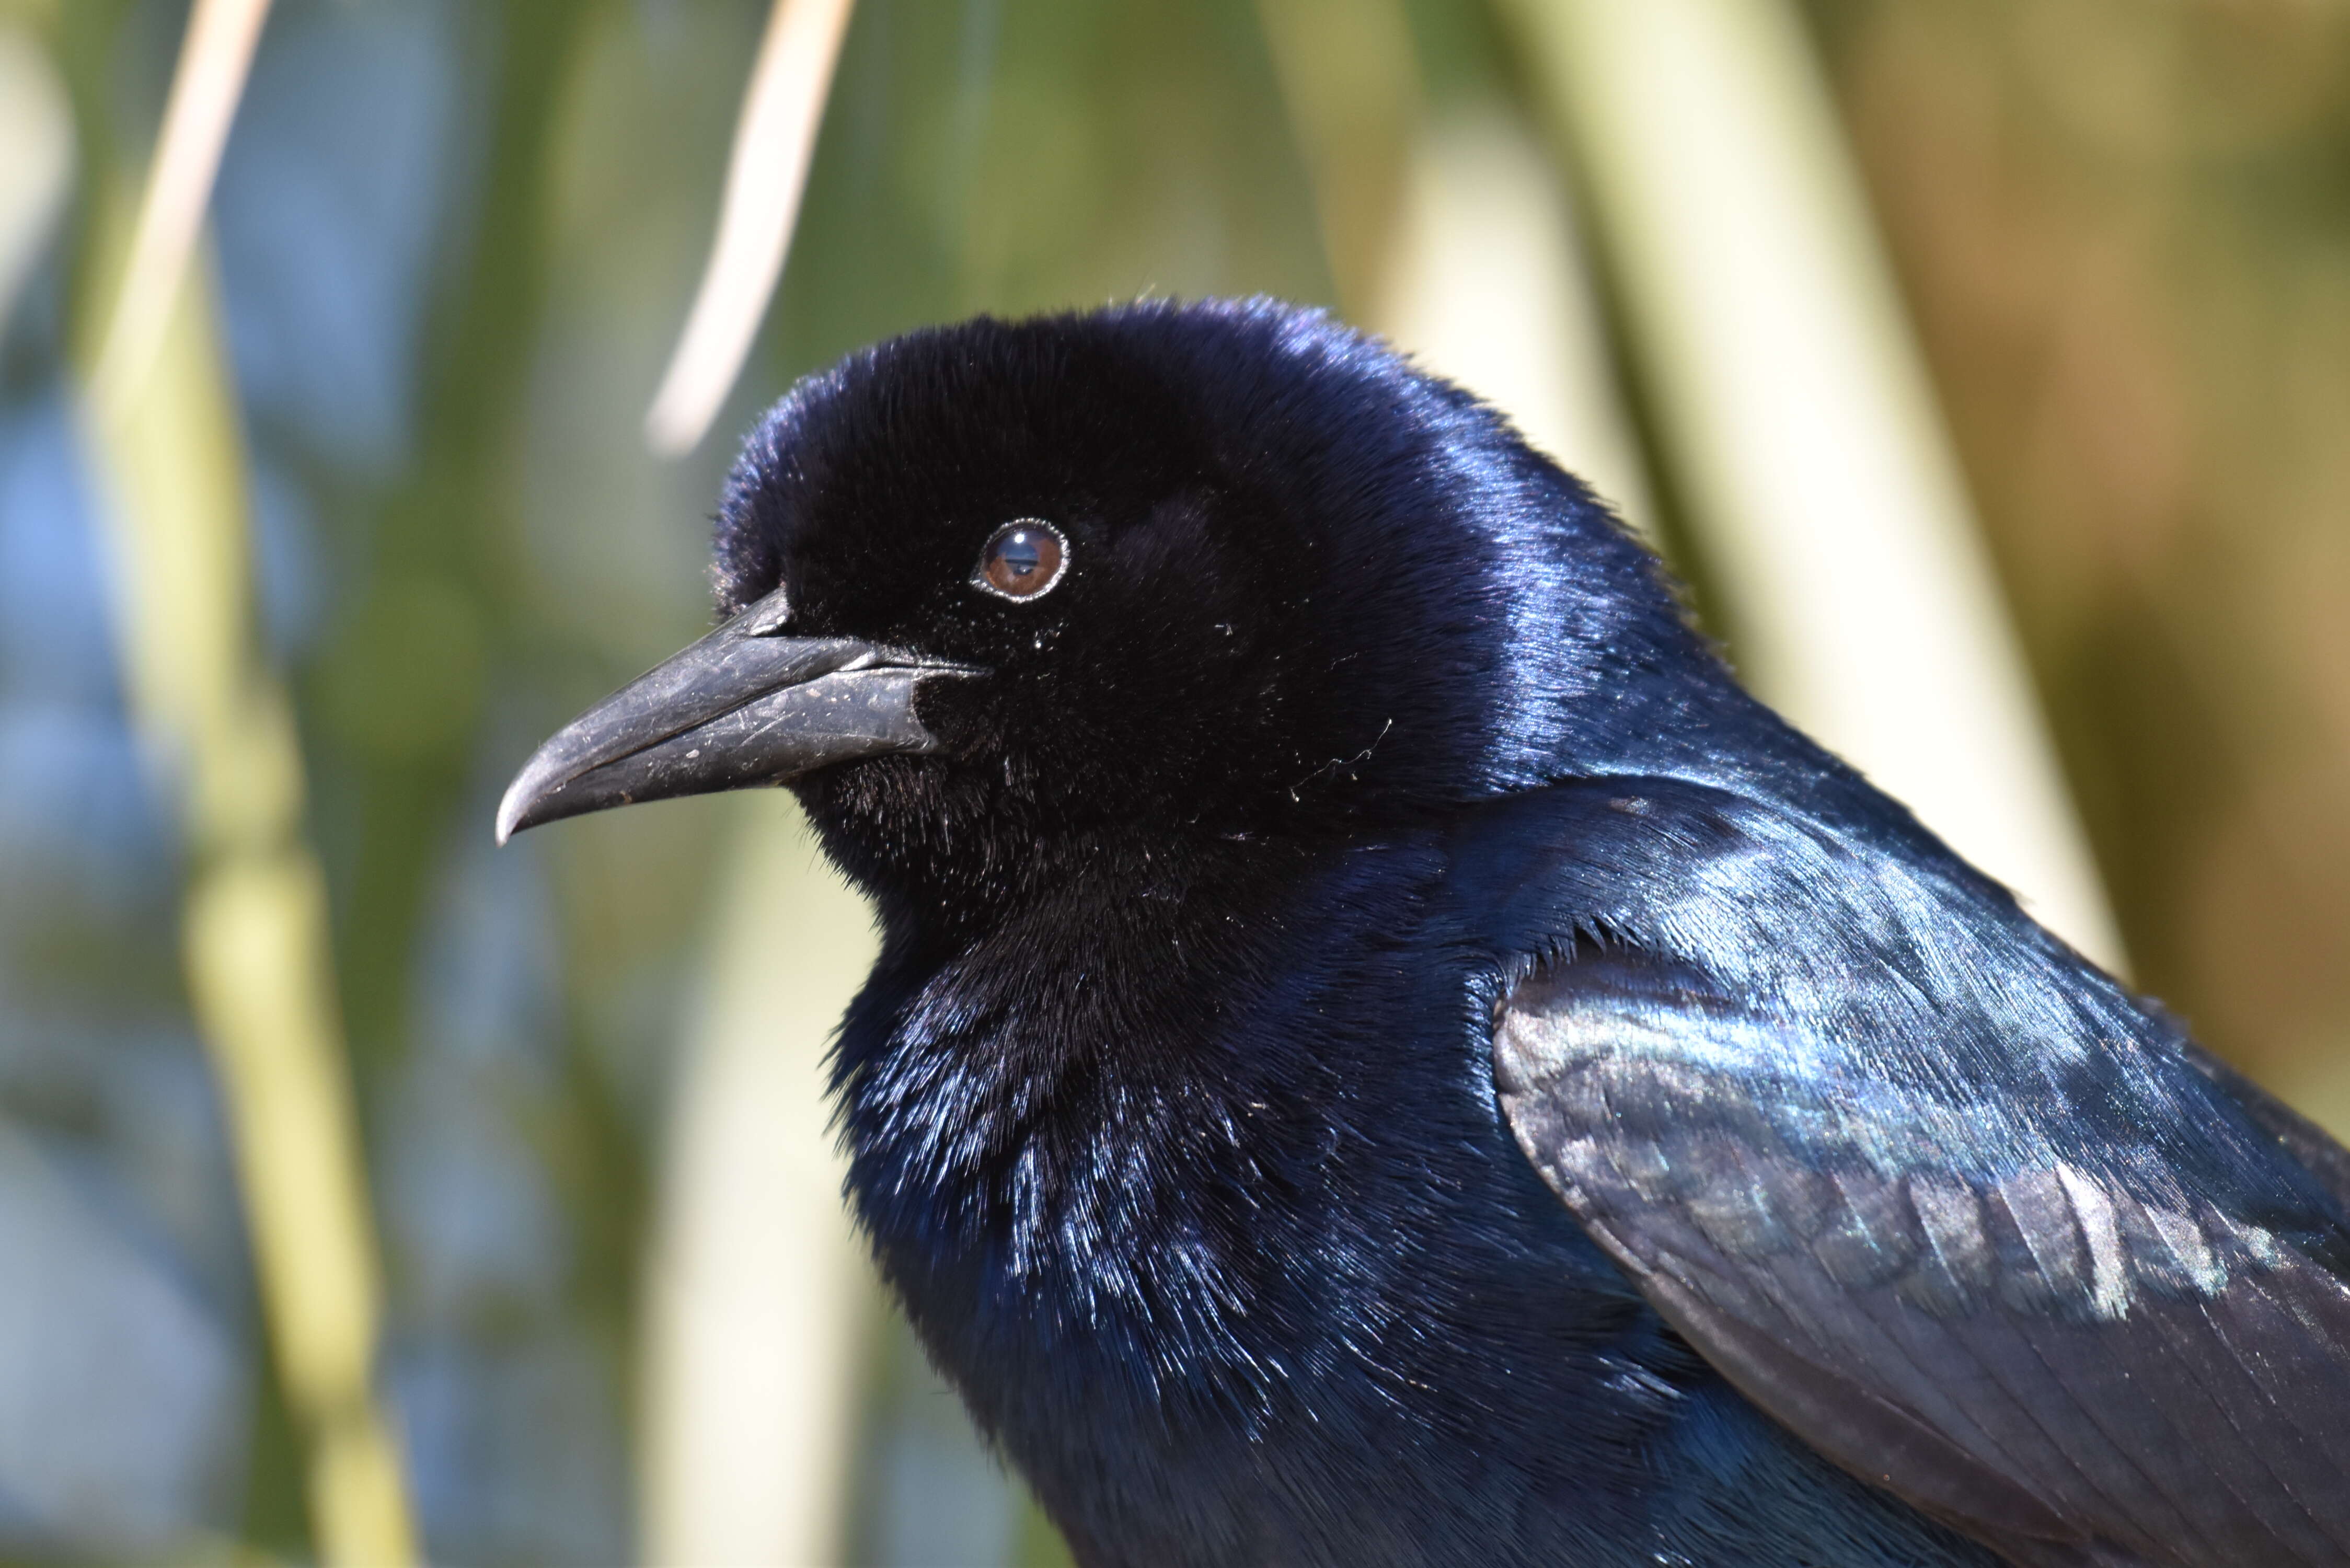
{"x": 514, "y": 809}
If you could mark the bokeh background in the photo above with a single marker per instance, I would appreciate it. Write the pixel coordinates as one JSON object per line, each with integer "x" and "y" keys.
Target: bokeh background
{"x": 383, "y": 514}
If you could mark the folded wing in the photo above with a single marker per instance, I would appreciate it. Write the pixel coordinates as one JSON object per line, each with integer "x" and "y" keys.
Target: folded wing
{"x": 2052, "y": 1338}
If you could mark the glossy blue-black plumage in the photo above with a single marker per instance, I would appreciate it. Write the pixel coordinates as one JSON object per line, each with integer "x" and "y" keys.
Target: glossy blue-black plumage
{"x": 1279, "y": 1291}
{"x": 1356, "y": 731}
{"x": 1933, "y": 1192}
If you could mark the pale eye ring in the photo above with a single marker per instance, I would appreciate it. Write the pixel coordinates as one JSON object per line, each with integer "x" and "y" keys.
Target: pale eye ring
{"x": 1024, "y": 559}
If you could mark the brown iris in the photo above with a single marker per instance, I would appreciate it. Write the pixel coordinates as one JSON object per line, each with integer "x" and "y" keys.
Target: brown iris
{"x": 1021, "y": 559}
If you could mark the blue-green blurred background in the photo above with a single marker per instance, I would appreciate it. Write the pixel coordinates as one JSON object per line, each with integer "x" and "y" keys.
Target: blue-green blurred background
{"x": 452, "y": 243}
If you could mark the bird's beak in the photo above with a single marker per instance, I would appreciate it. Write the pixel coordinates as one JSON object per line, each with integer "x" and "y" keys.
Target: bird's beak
{"x": 742, "y": 707}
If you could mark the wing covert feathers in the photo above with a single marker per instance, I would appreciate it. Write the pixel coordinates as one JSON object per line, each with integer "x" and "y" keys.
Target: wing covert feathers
{"x": 2034, "y": 1343}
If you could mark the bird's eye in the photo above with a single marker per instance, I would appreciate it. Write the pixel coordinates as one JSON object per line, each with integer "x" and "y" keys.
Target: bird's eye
{"x": 1023, "y": 559}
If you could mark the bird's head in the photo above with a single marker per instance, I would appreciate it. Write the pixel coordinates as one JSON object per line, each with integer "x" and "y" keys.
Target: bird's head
{"x": 1223, "y": 569}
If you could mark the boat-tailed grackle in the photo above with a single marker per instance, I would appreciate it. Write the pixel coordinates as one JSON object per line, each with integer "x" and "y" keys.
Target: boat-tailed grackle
{"x": 1383, "y": 1053}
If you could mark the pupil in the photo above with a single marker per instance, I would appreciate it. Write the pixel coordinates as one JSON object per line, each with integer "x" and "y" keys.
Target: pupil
{"x": 1021, "y": 556}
